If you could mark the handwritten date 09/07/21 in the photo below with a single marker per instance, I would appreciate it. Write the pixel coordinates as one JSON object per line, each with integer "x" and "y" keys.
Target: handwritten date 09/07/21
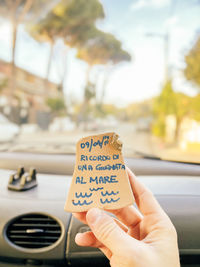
{"x": 91, "y": 144}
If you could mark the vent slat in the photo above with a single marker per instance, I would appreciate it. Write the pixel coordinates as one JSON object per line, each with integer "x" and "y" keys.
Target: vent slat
{"x": 32, "y": 243}
{"x": 34, "y": 231}
{"x": 34, "y": 225}
{"x": 37, "y": 219}
{"x": 23, "y": 231}
{"x": 15, "y": 237}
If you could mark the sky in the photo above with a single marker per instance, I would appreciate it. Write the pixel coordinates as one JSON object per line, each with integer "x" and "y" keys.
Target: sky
{"x": 141, "y": 26}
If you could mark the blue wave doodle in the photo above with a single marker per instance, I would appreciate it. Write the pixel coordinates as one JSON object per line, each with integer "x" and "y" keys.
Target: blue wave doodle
{"x": 109, "y": 201}
{"x": 82, "y": 195}
{"x": 96, "y": 189}
{"x": 81, "y": 204}
{"x": 109, "y": 194}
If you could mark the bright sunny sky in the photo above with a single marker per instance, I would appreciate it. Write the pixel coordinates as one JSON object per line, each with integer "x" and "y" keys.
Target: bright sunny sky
{"x": 130, "y": 21}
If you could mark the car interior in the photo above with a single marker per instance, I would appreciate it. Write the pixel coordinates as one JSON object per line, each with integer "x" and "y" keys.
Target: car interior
{"x": 175, "y": 185}
{"x": 75, "y": 68}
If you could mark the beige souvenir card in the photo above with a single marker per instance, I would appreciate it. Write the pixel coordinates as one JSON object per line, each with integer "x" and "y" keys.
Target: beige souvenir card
{"x": 100, "y": 178}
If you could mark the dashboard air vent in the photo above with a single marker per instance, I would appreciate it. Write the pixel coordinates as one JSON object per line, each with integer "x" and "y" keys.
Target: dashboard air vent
{"x": 34, "y": 231}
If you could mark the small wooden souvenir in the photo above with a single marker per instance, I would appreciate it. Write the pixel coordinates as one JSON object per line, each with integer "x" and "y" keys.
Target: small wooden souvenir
{"x": 100, "y": 178}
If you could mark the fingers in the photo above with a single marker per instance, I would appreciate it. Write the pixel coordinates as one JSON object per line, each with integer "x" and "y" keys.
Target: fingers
{"x": 107, "y": 231}
{"x": 121, "y": 225}
{"x": 129, "y": 215}
{"x": 145, "y": 200}
{"x": 88, "y": 239}
{"x": 81, "y": 216}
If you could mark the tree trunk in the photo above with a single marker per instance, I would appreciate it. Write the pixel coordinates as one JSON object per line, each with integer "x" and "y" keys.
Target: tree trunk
{"x": 12, "y": 9}
{"x": 88, "y": 74}
{"x": 64, "y": 69}
{"x": 85, "y": 100}
{"x": 13, "y": 67}
{"x": 48, "y": 67}
{"x": 177, "y": 131}
{"x": 105, "y": 82}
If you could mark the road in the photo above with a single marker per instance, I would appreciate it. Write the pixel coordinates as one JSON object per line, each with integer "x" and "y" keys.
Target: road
{"x": 65, "y": 142}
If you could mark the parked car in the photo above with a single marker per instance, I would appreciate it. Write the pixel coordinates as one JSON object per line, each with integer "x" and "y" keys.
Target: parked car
{"x": 61, "y": 125}
{"x": 8, "y": 130}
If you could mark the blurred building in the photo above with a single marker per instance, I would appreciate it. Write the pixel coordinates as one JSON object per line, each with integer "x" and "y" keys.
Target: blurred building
{"x": 28, "y": 103}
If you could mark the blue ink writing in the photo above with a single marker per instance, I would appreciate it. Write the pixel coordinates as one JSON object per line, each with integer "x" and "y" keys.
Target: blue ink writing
{"x": 116, "y": 156}
{"x": 85, "y": 167}
{"x": 79, "y": 180}
{"x": 91, "y": 144}
{"x": 95, "y": 158}
{"x": 96, "y": 189}
{"x": 109, "y": 194}
{"x": 83, "y": 195}
{"x": 109, "y": 201}
{"x": 117, "y": 166}
{"x": 103, "y": 179}
{"x": 79, "y": 203}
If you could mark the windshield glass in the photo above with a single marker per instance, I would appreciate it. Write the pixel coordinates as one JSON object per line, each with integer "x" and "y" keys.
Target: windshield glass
{"x": 71, "y": 68}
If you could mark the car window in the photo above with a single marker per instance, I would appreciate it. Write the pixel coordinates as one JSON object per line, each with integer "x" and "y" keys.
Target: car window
{"x": 71, "y": 68}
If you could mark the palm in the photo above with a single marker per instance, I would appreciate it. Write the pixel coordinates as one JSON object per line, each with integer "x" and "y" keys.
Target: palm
{"x": 147, "y": 227}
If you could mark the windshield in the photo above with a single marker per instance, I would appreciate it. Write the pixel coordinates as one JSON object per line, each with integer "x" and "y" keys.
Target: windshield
{"x": 72, "y": 68}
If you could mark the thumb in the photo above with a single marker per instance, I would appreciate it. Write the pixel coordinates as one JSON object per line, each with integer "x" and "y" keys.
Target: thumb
{"x": 107, "y": 231}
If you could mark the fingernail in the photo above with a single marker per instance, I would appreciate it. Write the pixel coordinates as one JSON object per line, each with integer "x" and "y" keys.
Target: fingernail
{"x": 93, "y": 215}
{"x": 78, "y": 238}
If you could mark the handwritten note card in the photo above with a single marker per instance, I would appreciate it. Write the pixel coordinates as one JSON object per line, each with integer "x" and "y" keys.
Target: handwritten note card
{"x": 99, "y": 179}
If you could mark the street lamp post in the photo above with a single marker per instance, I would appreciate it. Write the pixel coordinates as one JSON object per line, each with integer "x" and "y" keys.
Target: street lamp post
{"x": 166, "y": 40}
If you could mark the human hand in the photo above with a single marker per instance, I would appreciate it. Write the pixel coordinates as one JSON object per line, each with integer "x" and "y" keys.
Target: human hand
{"x": 144, "y": 238}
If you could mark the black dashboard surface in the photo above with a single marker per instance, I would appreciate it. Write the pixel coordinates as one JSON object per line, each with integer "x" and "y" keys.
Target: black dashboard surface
{"x": 178, "y": 195}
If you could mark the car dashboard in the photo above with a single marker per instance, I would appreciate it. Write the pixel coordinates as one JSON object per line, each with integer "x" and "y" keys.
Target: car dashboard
{"x": 36, "y": 231}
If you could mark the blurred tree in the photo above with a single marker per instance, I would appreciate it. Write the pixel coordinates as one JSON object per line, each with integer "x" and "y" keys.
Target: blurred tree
{"x": 86, "y": 108}
{"x": 192, "y": 60}
{"x": 17, "y": 11}
{"x": 139, "y": 110}
{"x": 118, "y": 56}
{"x": 69, "y": 20}
{"x": 170, "y": 103}
{"x": 57, "y": 105}
{"x": 3, "y": 84}
{"x": 195, "y": 104}
{"x": 102, "y": 49}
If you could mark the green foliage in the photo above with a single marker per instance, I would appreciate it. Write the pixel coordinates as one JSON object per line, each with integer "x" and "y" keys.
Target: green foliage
{"x": 21, "y": 10}
{"x": 69, "y": 19}
{"x": 57, "y": 105}
{"x": 192, "y": 60}
{"x": 90, "y": 91}
{"x": 168, "y": 103}
{"x": 103, "y": 110}
{"x": 139, "y": 110}
{"x": 158, "y": 127}
{"x": 165, "y": 103}
{"x": 195, "y": 107}
{"x": 102, "y": 48}
{"x": 3, "y": 84}
{"x": 173, "y": 103}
